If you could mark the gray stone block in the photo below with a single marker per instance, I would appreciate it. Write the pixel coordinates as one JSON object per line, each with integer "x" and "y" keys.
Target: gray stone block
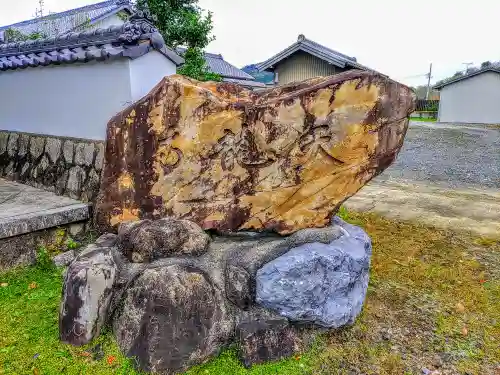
{"x": 68, "y": 151}
{"x": 12, "y": 145}
{"x": 53, "y": 149}
{"x": 37, "y": 146}
{"x": 62, "y": 181}
{"x": 77, "y": 229}
{"x": 24, "y": 170}
{"x": 39, "y": 170}
{"x": 24, "y": 140}
{"x": 9, "y": 169}
{"x": 4, "y": 139}
{"x": 84, "y": 154}
{"x": 251, "y": 251}
{"x": 91, "y": 188}
{"x": 99, "y": 159}
{"x": 75, "y": 182}
{"x": 87, "y": 293}
{"x": 319, "y": 283}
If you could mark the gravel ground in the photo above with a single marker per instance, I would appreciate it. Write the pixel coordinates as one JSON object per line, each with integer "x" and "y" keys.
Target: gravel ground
{"x": 454, "y": 155}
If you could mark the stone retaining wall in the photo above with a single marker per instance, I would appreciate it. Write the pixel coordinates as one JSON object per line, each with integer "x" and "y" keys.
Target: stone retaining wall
{"x": 65, "y": 166}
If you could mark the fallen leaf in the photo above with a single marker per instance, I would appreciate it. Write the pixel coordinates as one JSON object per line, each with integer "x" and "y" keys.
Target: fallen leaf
{"x": 36, "y": 371}
{"x": 297, "y": 357}
{"x": 110, "y": 359}
{"x": 482, "y": 281}
{"x": 4, "y": 285}
{"x": 459, "y": 307}
{"x": 465, "y": 331}
{"x": 85, "y": 354}
{"x": 32, "y": 285}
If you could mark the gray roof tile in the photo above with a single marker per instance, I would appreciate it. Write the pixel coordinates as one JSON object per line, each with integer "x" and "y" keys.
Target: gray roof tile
{"x": 63, "y": 22}
{"x": 217, "y": 64}
{"x": 245, "y": 82}
{"x": 303, "y": 44}
{"x": 495, "y": 68}
{"x": 127, "y": 40}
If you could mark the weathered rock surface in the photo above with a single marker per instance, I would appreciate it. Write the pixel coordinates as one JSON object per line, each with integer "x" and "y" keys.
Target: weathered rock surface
{"x": 146, "y": 240}
{"x": 230, "y": 159}
{"x": 261, "y": 341}
{"x": 249, "y": 253}
{"x": 173, "y": 318}
{"x": 64, "y": 259}
{"x": 87, "y": 292}
{"x": 318, "y": 283}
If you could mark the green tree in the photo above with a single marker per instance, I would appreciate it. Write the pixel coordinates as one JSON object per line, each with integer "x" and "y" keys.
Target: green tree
{"x": 12, "y": 35}
{"x": 184, "y": 23}
{"x": 485, "y": 64}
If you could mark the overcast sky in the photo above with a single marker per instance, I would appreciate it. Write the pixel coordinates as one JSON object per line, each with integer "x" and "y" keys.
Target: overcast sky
{"x": 399, "y": 38}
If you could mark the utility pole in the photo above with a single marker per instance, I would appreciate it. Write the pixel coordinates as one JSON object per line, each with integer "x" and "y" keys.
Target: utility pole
{"x": 429, "y": 75}
{"x": 39, "y": 11}
{"x": 467, "y": 66}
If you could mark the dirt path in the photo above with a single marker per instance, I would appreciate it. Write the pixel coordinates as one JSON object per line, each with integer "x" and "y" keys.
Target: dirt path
{"x": 471, "y": 210}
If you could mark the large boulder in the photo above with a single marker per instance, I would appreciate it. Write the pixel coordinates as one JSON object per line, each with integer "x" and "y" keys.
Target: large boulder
{"x": 173, "y": 317}
{"x": 319, "y": 283}
{"x": 87, "y": 292}
{"x": 230, "y": 159}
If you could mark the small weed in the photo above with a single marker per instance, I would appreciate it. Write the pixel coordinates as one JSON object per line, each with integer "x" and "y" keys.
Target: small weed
{"x": 343, "y": 213}
{"x": 72, "y": 244}
{"x": 43, "y": 259}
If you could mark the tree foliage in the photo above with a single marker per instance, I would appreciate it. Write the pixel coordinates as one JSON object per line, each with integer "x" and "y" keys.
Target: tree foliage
{"x": 12, "y": 35}
{"x": 184, "y": 23}
{"x": 485, "y": 64}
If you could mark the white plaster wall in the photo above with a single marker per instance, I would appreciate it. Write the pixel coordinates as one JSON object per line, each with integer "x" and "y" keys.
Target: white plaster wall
{"x": 473, "y": 100}
{"x": 74, "y": 100}
{"x": 147, "y": 71}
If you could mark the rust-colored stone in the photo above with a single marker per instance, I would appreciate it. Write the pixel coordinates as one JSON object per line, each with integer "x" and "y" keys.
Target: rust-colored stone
{"x": 232, "y": 159}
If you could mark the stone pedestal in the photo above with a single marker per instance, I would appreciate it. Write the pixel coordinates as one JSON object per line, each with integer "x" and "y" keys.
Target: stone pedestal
{"x": 174, "y": 309}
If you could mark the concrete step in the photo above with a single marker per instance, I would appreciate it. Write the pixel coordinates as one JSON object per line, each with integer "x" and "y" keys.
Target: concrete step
{"x": 25, "y": 209}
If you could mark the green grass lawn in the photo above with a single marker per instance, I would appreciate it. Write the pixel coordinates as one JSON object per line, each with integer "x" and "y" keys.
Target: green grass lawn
{"x": 433, "y": 302}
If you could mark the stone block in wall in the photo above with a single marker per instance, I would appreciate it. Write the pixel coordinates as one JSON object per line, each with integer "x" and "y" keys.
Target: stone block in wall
{"x": 84, "y": 154}
{"x": 39, "y": 171}
{"x": 75, "y": 182}
{"x": 91, "y": 188}
{"x": 62, "y": 181}
{"x": 68, "y": 151}
{"x": 12, "y": 144}
{"x": 99, "y": 159}
{"x": 53, "y": 149}
{"x": 48, "y": 162}
{"x": 25, "y": 171}
{"x": 76, "y": 229}
{"x": 4, "y": 139}
{"x": 24, "y": 140}
{"x": 37, "y": 146}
